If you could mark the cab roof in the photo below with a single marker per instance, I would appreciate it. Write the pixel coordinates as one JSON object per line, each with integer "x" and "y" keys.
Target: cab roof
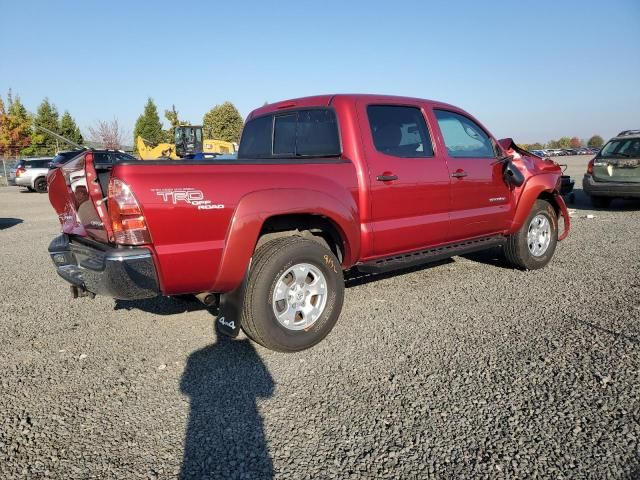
{"x": 328, "y": 99}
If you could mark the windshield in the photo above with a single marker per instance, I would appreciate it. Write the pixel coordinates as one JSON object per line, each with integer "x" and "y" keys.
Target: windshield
{"x": 625, "y": 148}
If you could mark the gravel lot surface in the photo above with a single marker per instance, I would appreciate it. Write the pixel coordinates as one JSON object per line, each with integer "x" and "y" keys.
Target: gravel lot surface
{"x": 467, "y": 369}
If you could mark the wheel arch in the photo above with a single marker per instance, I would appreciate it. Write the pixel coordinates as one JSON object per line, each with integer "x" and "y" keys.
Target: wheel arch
{"x": 540, "y": 187}
{"x": 282, "y": 212}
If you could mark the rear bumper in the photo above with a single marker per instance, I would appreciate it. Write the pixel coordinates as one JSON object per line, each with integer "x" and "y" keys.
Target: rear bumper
{"x": 20, "y": 182}
{"x": 610, "y": 189}
{"x": 123, "y": 273}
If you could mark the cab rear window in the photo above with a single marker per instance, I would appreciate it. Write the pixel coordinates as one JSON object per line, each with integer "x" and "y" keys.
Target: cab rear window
{"x": 300, "y": 133}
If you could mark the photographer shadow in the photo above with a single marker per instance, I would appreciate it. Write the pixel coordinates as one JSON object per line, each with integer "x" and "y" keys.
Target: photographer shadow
{"x": 225, "y": 436}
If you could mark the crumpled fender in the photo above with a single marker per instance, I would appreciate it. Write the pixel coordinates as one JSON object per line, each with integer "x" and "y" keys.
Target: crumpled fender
{"x": 256, "y": 207}
{"x": 530, "y": 192}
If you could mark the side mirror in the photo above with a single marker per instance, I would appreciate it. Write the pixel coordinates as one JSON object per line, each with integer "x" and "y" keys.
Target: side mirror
{"x": 512, "y": 175}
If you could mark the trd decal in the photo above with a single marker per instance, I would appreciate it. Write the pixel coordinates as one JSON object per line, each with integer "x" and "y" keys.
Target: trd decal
{"x": 190, "y": 196}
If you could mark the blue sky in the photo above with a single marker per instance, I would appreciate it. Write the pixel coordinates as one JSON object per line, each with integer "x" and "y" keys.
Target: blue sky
{"x": 530, "y": 70}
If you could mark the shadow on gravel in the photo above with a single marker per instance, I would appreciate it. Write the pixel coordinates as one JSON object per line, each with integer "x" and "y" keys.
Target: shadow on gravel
{"x": 492, "y": 256}
{"x": 162, "y": 305}
{"x": 9, "y": 222}
{"x": 583, "y": 202}
{"x": 353, "y": 278}
{"x": 225, "y": 437}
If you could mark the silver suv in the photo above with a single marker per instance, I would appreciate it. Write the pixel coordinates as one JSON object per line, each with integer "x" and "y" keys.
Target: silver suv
{"x": 31, "y": 173}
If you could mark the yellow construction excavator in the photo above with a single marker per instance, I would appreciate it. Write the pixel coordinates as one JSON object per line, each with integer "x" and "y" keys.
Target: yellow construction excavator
{"x": 188, "y": 143}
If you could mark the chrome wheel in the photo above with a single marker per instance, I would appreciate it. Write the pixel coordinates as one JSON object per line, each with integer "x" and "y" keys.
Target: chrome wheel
{"x": 539, "y": 235}
{"x": 300, "y": 296}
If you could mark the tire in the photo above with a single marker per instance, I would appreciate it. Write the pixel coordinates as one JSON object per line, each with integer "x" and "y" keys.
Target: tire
{"x": 600, "y": 202}
{"x": 272, "y": 268}
{"x": 520, "y": 252}
{"x": 40, "y": 185}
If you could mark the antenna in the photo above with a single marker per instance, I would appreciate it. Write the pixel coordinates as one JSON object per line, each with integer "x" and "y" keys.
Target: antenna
{"x": 59, "y": 137}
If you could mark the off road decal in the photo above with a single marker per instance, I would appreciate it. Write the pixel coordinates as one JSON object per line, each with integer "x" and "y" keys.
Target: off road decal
{"x": 329, "y": 261}
{"x": 187, "y": 195}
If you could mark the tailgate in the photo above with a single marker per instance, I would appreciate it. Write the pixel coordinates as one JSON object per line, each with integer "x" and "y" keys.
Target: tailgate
{"x": 77, "y": 197}
{"x": 616, "y": 169}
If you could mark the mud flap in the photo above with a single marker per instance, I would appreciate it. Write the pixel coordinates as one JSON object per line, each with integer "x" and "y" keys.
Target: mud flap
{"x": 230, "y": 311}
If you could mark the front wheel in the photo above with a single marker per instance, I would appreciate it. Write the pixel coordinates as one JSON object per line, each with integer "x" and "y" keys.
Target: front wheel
{"x": 533, "y": 245}
{"x": 294, "y": 294}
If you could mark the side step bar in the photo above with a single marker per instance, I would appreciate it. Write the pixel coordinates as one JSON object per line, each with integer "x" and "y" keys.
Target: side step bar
{"x": 432, "y": 255}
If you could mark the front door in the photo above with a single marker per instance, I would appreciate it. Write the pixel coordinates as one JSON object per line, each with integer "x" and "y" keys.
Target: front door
{"x": 481, "y": 201}
{"x": 409, "y": 186}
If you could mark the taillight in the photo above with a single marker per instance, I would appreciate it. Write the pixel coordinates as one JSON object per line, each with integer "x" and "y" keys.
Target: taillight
{"x": 590, "y": 167}
{"x": 127, "y": 220}
{"x": 20, "y": 171}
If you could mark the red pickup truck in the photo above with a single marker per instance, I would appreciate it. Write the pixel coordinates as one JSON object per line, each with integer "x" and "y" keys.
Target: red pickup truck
{"x": 321, "y": 185}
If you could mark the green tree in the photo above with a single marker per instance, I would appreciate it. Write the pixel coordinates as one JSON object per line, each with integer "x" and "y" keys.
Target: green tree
{"x": 15, "y": 126}
{"x": 173, "y": 118}
{"x": 69, "y": 129}
{"x": 223, "y": 122}
{"x": 41, "y": 142}
{"x": 148, "y": 125}
{"x": 536, "y": 146}
{"x": 564, "y": 142}
{"x": 595, "y": 141}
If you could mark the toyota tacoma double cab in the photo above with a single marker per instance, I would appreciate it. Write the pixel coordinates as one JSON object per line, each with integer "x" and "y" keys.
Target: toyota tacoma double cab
{"x": 321, "y": 185}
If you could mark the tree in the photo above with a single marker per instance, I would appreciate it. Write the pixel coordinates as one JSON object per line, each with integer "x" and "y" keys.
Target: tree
{"x": 596, "y": 141}
{"x": 575, "y": 142}
{"x": 69, "y": 129}
{"x": 15, "y": 126}
{"x": 148, "y": 125}
{"x": 42, "y": 143}
{"x": 223, "y": 122}
{"x": 174, "y": 121}
{"x": 108, "y": 134}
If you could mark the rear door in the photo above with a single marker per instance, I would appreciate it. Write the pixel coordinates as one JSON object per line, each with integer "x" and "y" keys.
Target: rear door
{"x": 409, "y": 185}
{"x": 481, "y": 201}
{"x": 618, "y": 161}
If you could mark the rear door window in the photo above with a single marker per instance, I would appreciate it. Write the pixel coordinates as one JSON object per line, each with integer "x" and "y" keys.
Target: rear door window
{"x": 399, "y": 131}
{"x": 301, "y": 133}
{"x": 463, "y": 137}
{"x": 256, "y": 138}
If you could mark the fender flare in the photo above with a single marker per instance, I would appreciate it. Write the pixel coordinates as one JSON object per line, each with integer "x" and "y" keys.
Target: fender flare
{"x": 531, "y": 191}
{"x": 255, "y": 208}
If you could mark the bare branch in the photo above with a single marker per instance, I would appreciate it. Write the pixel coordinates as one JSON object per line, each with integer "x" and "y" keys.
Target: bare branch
{"x": 109, "y": 134}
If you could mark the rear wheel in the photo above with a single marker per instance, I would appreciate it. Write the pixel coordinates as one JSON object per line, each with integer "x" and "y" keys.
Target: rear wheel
{"x": 294, "y": 294}
{"x": 533, "y": 245}
{"x": 600, "y": 202}
{"x": 40, "y": 185}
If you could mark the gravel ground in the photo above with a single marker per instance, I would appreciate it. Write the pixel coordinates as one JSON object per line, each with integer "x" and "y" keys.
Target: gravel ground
{"x": 467, "y": 369}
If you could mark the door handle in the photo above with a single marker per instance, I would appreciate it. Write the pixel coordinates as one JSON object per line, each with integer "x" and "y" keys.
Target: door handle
{"x": 386, "y": 178}
{"x": 459, "y": 174}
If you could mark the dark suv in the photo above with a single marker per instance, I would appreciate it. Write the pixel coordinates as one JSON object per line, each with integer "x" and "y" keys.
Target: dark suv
{"x": 615, "y": 170}
{"x": 100, "y": 156}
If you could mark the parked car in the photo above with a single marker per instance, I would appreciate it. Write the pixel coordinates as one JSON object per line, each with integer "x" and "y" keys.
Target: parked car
{"x": 30, "y": 173}
{"x": 539, "y": 153}
{"x": 615, "y": 170}
{"x": 100, "y": 156}
{"x": 321, "y": 185}
{"x": 63, "y": 157}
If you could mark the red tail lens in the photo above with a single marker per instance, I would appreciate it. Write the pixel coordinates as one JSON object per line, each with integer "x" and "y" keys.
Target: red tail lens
{"x": 20, "y": 171}
{"x": 127, "y": 220}
{"x": 590, "y": 167}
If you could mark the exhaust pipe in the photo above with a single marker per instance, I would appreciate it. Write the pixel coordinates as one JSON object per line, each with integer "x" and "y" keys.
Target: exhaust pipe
{"x": 208, "y": 298}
